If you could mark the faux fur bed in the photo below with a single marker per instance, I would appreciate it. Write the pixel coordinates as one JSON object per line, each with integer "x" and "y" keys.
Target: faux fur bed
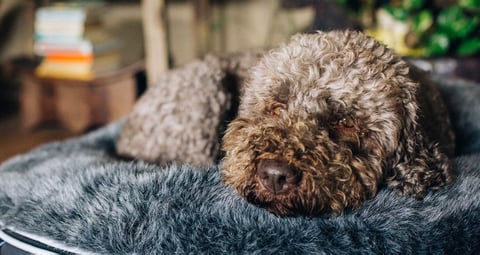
{"x": 80, "y": 195}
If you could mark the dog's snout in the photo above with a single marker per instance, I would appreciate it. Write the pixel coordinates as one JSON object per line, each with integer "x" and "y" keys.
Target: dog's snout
{"x": 277, "y": 177}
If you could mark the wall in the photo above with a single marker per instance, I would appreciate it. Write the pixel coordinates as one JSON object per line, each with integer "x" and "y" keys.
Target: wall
{"x": 236, "y": 26}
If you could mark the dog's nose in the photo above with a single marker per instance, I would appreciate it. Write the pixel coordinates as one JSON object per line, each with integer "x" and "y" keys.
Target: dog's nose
{"x": 278, "y": 177}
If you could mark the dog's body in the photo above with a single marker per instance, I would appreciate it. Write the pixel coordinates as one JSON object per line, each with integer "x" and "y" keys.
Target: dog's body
{"x": 327, "y": 119}
{"x": 324, "y": 122}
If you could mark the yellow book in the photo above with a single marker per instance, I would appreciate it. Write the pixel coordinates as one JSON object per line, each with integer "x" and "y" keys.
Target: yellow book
{"x": 81, "y": 70}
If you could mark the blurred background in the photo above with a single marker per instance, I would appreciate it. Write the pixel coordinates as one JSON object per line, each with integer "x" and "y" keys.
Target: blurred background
{"x": 68, "y": 67}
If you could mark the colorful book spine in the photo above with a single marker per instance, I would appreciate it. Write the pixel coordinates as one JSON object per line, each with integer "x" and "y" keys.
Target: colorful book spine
{"x": 70, "y": 47}
{"x": 46, "y": 48}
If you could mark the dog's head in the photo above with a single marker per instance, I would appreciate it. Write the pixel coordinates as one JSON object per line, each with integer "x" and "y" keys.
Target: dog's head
{"x": 323, "y": 120}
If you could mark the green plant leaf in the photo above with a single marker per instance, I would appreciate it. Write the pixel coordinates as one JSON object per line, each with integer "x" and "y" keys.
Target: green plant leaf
{"x": 470, "y": 4}
{"x": 437, "y": 44}
{"x": 469, "y": 47}
{"x": 453, "y": 22}
{"x": 397, "y": 13}
{"x": 412, "y": 4}
{"x": 422, "y": 22}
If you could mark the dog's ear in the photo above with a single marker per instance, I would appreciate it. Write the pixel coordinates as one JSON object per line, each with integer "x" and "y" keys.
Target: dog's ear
{"x": 419, "y": 163}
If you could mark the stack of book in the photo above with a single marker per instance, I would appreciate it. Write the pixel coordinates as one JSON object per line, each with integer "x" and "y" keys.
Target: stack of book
{"x": 73, "y": 44}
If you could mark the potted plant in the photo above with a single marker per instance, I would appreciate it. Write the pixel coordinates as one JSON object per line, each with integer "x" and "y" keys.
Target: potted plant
{"x": 441, "y": 32}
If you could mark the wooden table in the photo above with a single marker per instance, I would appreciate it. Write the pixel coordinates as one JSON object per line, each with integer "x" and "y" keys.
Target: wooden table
{"x": 78, "y": 105}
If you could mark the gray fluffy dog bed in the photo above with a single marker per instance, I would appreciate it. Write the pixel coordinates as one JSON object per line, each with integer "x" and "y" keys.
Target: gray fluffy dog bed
{"x": 78, "y": 196}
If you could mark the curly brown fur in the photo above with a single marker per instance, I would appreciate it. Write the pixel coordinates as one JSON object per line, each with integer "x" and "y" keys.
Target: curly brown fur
{"x": 181, "y": 118}
{"x": 328, "y": 118}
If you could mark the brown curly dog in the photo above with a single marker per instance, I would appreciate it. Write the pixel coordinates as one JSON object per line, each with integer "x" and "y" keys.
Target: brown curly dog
{"x": 327, "y": 119}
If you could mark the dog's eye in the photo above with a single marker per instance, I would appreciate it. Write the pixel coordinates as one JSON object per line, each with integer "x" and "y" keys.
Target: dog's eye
{"x": 278, "y": 109}
{"x": 344, "y": 123}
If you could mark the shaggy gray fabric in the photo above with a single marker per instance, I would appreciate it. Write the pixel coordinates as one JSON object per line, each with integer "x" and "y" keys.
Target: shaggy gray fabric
{"x": 81, "y": 195}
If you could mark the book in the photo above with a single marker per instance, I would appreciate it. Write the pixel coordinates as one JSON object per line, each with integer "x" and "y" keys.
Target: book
{"x": 77, "y": 70}
{"x": 78, "y": 67}
{"x": 59, "y": 22}
{"x": 57, "y": 47}
{"x": 73, "y": 44}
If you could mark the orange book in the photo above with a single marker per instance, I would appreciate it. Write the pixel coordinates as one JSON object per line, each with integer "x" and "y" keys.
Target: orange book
{"x": 69, "y": 57}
